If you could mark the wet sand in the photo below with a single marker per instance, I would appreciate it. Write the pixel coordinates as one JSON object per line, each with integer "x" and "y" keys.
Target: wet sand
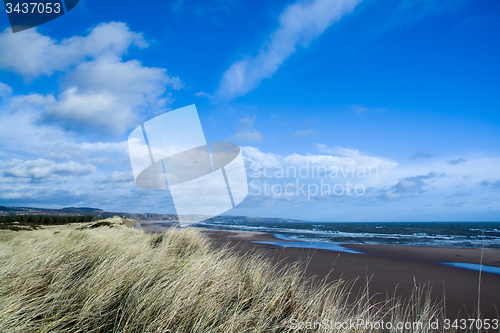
{"x": 389, "y": 269}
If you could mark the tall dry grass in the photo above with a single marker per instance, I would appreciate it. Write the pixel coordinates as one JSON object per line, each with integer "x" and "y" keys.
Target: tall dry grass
{"x": 121, "y": 280}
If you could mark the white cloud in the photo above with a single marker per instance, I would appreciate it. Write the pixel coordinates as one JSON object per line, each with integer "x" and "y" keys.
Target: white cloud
{"x": 203, "y": 94}
{"x": 77, "y": 110}
{"x": 5, "y": 90}
{"x": 345, "y": 157}
{"x": 126, "y": 78}
{"x": 32, "y": 54}
{"x": 254, "y": 155}
{"x": 107, "y": 93}
{"x": 24, "y": 135}
{"x": 342, "y": 158}
{"x": 300, "y": 24}
{"x": 248, "y": 121}
{"x": 42, "y": 163}
{"x": 248, "y": 135}
{"x": 44, "y": 169}
{"x": 391, "y": 187}
{"x": 118, "y": 177}
{"x": 103, "y": 93}
{"x": 305, "y": 134}
{"x": 358, "y": 108}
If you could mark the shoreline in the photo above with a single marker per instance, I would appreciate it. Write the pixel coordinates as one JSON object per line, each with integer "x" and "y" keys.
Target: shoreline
{"x": 436, "y": 254}
{"x": 390, "y": 269}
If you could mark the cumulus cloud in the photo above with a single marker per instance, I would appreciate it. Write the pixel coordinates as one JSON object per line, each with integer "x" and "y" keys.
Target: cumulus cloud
{"x": 108, "y": 93}
{"x": 40, "y": 160}
{"x": 55, "y": 168}
{"x": 102, "y": 92}
{"x": 299, "y": 24}
{"x": 22, "y": 116}
{"x": 44, "y": 163}
{"x": 305, "y": 134}
{"x": 32, "y": 54}
{"x": 288, "y": 180}
{"x": 321, "y": 180}
{"x": 343, "y": 159}
{"x": 127, "y": 78}
{"x": 43, "y": 169}
{"x": 347, "y": 156}
{"x": 82, "y": 110}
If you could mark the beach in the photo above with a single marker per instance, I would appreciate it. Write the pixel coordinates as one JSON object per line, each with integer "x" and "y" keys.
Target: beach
{"x": 128, "y": 276}
{"x": 389, "y": 269}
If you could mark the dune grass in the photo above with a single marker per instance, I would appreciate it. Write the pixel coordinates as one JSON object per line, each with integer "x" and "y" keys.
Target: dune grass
{"x": 116, "y": 279}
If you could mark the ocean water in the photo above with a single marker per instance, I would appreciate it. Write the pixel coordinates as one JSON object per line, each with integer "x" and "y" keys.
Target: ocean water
{"x": 321, "y": 234}
{"x": 475, "y": 267}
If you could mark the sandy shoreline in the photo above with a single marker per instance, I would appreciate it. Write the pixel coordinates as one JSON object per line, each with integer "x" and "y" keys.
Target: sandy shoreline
{"x": 491, "y": 257}
{"x": 389, "y": 268}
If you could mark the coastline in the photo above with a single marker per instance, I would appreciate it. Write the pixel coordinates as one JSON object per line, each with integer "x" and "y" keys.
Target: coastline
{"x": 390, "y": 269}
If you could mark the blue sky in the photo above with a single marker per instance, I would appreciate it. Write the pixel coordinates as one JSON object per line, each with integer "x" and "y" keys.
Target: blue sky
{"x": 409, "y": 87}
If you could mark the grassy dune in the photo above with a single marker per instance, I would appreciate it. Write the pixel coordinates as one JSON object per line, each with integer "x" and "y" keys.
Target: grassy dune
{"x": 116, "y": 279}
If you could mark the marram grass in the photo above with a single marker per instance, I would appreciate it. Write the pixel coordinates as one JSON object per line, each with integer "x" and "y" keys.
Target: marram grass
{"x": 117, "y": 279}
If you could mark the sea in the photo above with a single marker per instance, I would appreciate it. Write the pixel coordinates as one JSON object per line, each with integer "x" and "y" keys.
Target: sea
{"x": 329, "y": 235}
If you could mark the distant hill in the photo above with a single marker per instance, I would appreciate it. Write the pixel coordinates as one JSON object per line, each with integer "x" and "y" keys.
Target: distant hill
{"x": 83, "y": 208}
{"x": 86, "y": 211}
